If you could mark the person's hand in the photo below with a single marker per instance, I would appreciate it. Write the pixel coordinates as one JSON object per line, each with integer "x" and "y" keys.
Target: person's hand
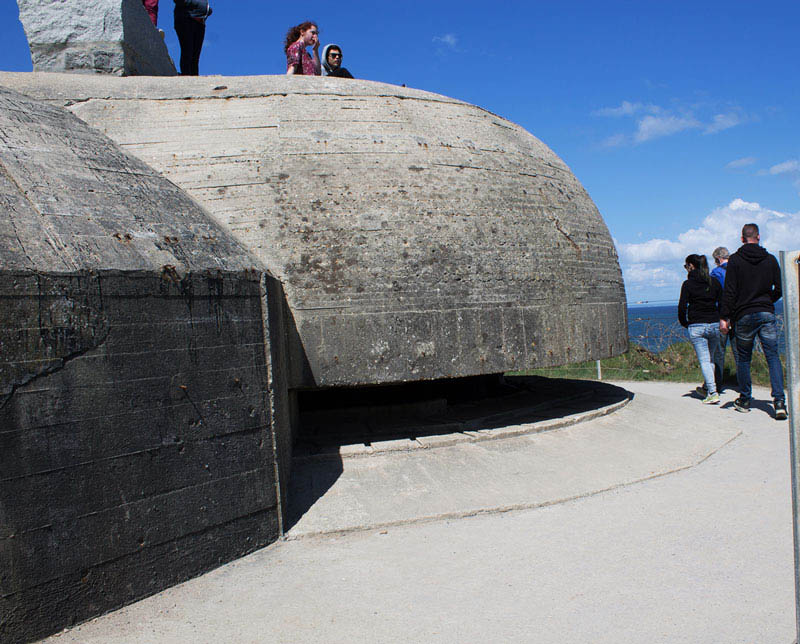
{"x": 316, "y": 46}
{"x": 724, "y": 327}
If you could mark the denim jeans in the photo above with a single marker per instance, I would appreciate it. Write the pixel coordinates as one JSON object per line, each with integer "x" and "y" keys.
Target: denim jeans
{"x": 705, "y": 339}
{"x": 719, "y": 359}
{"x": 747, "y": 327}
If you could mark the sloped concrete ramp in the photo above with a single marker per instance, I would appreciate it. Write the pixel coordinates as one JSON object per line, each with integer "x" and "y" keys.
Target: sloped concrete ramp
{"x": 533, "y": 467}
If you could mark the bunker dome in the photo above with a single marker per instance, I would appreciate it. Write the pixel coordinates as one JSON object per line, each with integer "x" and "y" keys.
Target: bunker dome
{"x": 416, "y": 236}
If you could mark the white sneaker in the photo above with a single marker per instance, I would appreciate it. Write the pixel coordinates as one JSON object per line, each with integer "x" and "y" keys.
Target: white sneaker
{"x": 711, "y": 399}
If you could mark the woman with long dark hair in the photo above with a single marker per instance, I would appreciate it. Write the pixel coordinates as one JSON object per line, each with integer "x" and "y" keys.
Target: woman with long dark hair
{"x": 698, "y": 312}
{"x": 298, "y": 61}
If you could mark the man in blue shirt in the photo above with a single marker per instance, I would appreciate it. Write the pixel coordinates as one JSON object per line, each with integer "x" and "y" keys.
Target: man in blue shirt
{"x": 720, "y": 256}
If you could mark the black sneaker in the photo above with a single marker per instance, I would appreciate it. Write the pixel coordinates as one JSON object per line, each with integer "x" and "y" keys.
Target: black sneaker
{"x": 701, "y": 391}
{"x": 742, "y": 404}
{"x": 780, "y": 411}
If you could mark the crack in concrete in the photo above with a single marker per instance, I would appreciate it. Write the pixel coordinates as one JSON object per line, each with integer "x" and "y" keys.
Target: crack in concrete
{"x": 569, "y": 239}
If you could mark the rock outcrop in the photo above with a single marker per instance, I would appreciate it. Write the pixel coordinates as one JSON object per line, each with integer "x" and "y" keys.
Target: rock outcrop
{"x": 102, "y": 36}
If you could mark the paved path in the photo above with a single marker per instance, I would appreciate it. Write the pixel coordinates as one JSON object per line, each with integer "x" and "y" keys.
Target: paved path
{"x": 666, "y": 521}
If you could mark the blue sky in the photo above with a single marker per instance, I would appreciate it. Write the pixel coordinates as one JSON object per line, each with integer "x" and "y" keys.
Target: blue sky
{"x": 681, "y": 119}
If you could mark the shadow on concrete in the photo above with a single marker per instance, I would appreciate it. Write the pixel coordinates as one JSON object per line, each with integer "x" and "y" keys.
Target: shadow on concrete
{"x": 364, "y": 420}
{"x": 764, "y": 406}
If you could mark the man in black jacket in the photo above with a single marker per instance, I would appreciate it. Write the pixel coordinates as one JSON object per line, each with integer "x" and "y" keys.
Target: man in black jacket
{"x": 752, "y": 286}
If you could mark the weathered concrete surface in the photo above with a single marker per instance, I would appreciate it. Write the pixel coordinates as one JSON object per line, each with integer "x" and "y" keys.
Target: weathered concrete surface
{"x": 699, "y": 556}
{"x": 103, "y": 36}
{"x": 521, "y": 466}
{"x": 417, "y": 236}
{"x": 142, "y": 397}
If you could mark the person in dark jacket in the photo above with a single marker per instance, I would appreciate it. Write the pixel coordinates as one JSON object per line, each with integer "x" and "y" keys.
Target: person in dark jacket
{"x": 332, "y": 62}
{"x": 698, "y": 312}
{"x": 752, "y": 286}
{"x": 190, "y": 25}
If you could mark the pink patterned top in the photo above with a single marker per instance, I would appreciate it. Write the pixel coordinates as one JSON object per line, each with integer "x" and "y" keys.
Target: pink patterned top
{"x": 297, "y": 56}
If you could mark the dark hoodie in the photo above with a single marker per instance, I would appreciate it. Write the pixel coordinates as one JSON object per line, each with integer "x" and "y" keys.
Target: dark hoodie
{"x": 699, "y": 300}
{"x": 193, "y": 8}
{"x": 327, "y": 70}
{"x": 752, "y": 283}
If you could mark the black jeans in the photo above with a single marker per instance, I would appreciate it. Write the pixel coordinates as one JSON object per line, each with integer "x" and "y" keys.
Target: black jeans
{"x": 190, "y": 35}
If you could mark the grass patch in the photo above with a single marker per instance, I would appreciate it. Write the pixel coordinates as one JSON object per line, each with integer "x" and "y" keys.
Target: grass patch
{"x": 676, "y": 363}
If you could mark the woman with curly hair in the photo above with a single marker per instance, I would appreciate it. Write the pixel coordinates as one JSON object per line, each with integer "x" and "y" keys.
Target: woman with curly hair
{"x": 298, "y": 61}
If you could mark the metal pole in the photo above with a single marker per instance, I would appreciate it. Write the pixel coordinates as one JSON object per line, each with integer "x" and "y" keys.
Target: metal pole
{"x": 599, "y": 371}
{"x": 790, "y": 274}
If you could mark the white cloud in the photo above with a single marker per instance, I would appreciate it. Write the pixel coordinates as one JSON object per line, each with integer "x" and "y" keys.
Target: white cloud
{"x": 789, "y": 169}
{"x": 656, "y": 263}
{"x": 626, "y": 108}
{"x": 615, "y": 141}
{"x": 652, "y": 127}
{"x": 724, "y": 122}
{"x": 741, "y": 163}
{"x": 654, "y": 121}
{"x": 656, "y": 276}
{"x": 449, "y": 40}
{"x": 792, "y": 166}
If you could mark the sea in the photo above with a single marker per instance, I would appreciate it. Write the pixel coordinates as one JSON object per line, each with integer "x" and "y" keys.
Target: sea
{"x": 656, "y": 327}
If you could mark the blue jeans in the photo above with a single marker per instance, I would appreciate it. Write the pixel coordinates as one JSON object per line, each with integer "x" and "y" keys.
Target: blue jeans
{"x": 747, "y": 327}
{"x": 705, "y": 340}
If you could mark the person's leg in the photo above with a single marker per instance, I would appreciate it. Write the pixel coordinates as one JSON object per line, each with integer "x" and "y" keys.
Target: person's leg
{"x": 745, "y": 329}
{"x": 768, "y": 334}
{"x": 183, "y": 28}
{"x": 732, "y": 339}
{"x": 199, "y": 36}
{"x": 716, "y": 346}
{"x": 700, "y": 344}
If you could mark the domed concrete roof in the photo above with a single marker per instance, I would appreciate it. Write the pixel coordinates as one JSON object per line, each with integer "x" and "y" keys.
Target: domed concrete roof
{"x": 417, "y": 236}
{"x": 72, "y": 200}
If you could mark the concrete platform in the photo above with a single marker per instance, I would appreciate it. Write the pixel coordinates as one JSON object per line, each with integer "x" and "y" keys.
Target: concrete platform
{"x": 665, "y": 521}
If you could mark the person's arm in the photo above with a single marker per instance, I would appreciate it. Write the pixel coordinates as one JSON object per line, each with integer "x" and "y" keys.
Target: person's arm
{"x": 683, "y": 305}
{"x": 293, "y": 59}
{"x": 777, "y": 288}
{"x": 317, "y": 64}
{"x": 729, "y": 293}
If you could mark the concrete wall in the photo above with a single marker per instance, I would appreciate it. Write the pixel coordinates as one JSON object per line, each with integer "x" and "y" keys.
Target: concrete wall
{"x": 143, "y": 401}
{"x": 417, "y": 236}
{"x": 101, "y": 36}
{"x": 137, "y": 444}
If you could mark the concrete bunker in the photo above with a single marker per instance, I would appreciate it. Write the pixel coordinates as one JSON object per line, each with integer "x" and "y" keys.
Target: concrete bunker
{"x": 141, "y": 408}
{"x": 314, "y": 235}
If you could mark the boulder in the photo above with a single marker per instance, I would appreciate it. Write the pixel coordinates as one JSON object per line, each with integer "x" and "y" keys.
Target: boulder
{"x": 102, "y": 36}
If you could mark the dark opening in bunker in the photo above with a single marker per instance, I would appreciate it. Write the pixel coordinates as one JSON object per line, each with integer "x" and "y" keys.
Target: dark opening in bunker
{"x": 373, "y": 416}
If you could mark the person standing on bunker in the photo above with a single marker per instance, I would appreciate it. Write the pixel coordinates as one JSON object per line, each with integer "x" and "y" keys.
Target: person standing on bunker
{"x": 332, "y": 62}
{"x": 298, "y": 60}
{"x": 190, "y": 25}
{"x": 151, "y": 7}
